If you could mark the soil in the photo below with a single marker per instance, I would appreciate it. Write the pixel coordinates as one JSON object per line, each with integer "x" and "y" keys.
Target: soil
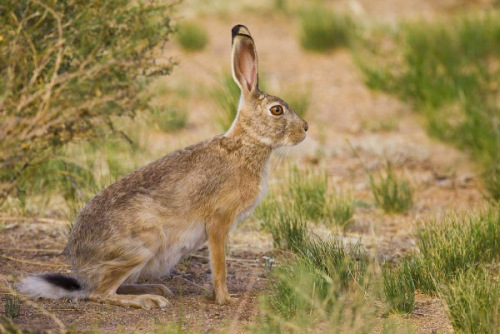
{"x": 342, "y": 140}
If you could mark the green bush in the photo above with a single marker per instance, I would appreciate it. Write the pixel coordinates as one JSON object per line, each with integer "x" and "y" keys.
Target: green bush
{"x": 191, "y": 36}
{"x": 448, "y": 69}
{"x": 323, "y": 30}
{"x": 67, "y": 68}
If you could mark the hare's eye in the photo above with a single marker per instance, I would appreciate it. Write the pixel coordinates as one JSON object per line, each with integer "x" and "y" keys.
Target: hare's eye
{"x": 276, "y": 110}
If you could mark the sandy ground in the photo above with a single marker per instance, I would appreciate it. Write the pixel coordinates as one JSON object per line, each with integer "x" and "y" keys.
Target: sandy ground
{"x": 342, "y": 140}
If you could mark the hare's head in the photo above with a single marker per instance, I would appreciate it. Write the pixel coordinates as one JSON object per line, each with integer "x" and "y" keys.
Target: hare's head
{"x": 261, "y": 116}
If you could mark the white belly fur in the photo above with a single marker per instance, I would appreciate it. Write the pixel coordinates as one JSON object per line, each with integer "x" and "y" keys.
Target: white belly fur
{"x": 178, "y": 243}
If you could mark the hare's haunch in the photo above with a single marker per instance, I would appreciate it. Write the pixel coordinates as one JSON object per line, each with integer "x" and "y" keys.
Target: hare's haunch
{"x": 144, "y": 223}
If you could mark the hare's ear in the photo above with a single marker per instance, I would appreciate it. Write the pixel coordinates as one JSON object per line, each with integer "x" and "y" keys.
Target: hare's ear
{"x": 244, "y": 59}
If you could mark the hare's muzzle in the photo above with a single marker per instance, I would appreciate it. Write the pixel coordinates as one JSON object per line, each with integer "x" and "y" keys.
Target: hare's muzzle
{"x": 306, "y": 126}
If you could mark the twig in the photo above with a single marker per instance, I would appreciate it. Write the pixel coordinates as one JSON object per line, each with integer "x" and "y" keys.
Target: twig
{"x": 34, "y": 262}
{"x": 227, "y": 258}
{"x": 193, "y": 283}
{"x": 33, "y": 250}
{"x": 34, "y": 219}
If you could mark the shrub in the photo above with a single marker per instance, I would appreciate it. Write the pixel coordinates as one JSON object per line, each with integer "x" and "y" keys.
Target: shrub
{"x": 323, "y": 30}
{"x": 68, "y": 68}
{"x": 191, "y": 36}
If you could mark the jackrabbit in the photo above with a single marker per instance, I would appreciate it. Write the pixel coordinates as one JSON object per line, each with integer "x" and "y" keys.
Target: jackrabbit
{"x": 141, "y": 226}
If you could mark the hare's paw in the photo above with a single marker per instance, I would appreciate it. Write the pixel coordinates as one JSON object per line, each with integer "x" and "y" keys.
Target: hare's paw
{"x": 224, "y": 299}
{"x": 141, "y": 301}
{"x": 152, "y": 301}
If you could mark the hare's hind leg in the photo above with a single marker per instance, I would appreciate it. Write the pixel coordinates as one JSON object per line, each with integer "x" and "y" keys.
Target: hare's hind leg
{"x": 112, "y": 276}
{"x": 140, "y": 289}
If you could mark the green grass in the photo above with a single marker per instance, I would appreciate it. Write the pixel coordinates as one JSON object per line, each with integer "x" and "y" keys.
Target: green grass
{"x": 307, "y": 195}
{"x": 329, "y": 267}
{"x": 458, "y": 245}
{"x": 458, "y": 260}
{"x": 392, "y": 194}
{"x": 399, "y": 287}
{"x": 342, "y": 210}
{"x": 226, "y": 96}
{"x": 287, "y": 227}
{"x": 308, "y": 190}
{"x": 473, "y": 302}
{"x": 169, "y": 119}
{"x": 12, "y": 307}
{"x": 191, "y": 36}
{"x": 448, "y": 70}
{"x": 321, "y": 30}
{"x": 385, "y": 125}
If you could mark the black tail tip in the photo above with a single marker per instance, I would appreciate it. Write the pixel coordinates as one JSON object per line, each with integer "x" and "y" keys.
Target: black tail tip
{"x": 62, "y": 281}
{"x": 240, "y": 29}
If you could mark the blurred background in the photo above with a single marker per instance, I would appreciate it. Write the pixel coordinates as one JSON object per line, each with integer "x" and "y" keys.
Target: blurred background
{"x": 403, "y": 104}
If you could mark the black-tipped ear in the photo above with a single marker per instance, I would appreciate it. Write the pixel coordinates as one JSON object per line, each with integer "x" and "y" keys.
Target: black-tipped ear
{"x": 239, "y": 29}
{"x": 244, "y": 59}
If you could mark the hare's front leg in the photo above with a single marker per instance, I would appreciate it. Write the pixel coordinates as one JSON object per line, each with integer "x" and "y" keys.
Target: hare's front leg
{"x": 217, "y": 235}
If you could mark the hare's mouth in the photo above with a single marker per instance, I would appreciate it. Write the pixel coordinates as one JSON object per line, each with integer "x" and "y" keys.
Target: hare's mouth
{"x": 297, "y": 139}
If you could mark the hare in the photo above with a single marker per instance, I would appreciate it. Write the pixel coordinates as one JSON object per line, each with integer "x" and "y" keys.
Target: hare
{"x": 143, "y": 224}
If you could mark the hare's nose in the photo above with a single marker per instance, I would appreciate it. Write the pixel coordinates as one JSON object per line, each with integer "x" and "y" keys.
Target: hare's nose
{"x": 306, "y": 126}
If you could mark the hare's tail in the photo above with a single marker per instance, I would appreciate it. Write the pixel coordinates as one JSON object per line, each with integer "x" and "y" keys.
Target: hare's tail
{"x": 52, "y": 286}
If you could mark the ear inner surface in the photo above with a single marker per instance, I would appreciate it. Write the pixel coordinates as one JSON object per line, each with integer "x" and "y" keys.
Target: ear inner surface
{"x": 246, "y": 63}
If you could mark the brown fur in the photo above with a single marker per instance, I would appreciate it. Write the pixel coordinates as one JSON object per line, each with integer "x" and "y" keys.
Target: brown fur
{"x": 140, "y": 226}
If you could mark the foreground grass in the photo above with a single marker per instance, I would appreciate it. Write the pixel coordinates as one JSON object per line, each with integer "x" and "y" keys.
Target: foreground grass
{"x": 448, "y": 69}
{"x": 320, "y": 284}
{"x": 458, "y": 260}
